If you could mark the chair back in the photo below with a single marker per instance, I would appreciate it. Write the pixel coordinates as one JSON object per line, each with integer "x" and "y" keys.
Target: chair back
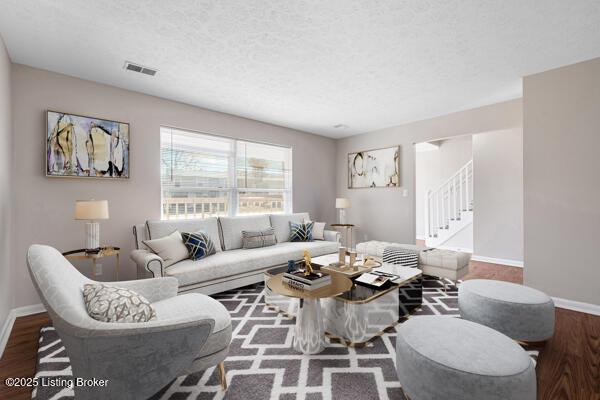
{"x": 60, "y": 287}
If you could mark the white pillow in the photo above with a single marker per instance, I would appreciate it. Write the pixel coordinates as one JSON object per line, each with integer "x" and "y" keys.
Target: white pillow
{"x": 318, "y": 232}
{"x": 170, "y": 248}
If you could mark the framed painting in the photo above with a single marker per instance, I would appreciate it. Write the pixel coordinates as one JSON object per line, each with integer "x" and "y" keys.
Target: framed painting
{"x": 86, "y": 147}
{"x": 374, "y": 168}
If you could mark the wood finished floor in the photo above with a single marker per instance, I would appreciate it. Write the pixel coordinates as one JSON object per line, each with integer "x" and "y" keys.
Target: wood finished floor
{"x": 568, "y": 367}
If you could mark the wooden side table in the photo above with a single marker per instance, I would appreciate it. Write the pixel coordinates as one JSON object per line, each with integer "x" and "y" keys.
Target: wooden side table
{"x": 81, "y": 254}
{"x": 349, "y": 228}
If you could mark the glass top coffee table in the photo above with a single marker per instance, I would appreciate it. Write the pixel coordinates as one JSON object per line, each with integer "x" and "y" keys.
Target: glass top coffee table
{"x": 360, "y": 313}
{"x": 309, "y": 332}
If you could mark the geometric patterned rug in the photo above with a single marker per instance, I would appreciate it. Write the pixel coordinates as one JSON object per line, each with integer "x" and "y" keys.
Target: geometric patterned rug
{"x": 263, "y": 365}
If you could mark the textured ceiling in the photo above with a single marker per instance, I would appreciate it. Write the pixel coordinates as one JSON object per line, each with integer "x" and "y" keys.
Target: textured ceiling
{"x": 308, "y": 64}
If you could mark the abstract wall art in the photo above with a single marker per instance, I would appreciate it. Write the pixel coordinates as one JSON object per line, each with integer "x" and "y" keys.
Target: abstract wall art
{"x": 374, "y": 168}
{"x": 78, "y": 146}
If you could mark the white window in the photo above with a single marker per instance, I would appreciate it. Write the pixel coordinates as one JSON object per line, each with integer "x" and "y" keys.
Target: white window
{"x": 204, "y": 175}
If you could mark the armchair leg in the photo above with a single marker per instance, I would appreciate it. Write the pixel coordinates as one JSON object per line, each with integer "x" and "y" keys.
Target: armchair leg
{"x": 222, "y": 376}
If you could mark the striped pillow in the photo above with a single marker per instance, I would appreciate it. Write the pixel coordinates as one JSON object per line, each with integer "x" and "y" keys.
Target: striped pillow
{"x": 395, "y": 255}
{"x": 256, "y": 239}
{"x": 301, "y": 232}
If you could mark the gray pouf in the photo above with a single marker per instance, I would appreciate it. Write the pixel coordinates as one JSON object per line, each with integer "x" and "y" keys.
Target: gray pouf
{"x": 453, "y": 359}
{"x": 518, "y": 311}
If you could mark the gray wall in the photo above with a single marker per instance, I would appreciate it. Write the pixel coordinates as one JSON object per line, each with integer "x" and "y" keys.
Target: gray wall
{"x": 562, "y": 181}
{"x": 432, "y": 168}
{"x": 44, "y": 206}
{"x": 384, "y": 213}
{"x": 6, "y": 286}
{"x": 498, "y": 195}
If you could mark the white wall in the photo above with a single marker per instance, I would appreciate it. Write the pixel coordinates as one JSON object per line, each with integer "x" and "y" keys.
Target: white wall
{"x": 6, "y": 170}
{"x": 498, "y": 195}
{"x": 561, "y": 143}
{"x": 432, "y": 168}
{"x": 44, "y": 206}
{"x": 384, "y": 213}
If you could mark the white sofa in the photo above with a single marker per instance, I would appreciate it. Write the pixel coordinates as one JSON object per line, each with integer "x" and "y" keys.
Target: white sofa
{"x": 232, "y": 266}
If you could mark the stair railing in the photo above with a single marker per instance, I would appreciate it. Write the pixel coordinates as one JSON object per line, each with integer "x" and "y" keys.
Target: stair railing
{"x": 449, "y": 200}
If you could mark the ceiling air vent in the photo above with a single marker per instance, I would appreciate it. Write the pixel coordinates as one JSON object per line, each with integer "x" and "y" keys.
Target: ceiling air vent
{"x": 138, "y": 68}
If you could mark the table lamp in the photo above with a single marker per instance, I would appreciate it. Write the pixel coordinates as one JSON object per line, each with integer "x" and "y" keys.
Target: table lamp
{"x": 341, "y": 204}
{"x": 91, "y": 210}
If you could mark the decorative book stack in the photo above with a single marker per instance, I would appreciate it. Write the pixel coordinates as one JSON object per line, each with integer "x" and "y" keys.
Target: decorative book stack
{"x": 313, "y": 281}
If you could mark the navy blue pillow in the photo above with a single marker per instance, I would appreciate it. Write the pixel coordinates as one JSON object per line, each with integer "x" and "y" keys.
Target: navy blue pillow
{"x": 301, "y": 232}
{"x": 198, "y": 244}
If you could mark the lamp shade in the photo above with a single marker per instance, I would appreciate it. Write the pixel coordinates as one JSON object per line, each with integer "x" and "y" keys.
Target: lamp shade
{"x": 341, "y": 202}
{"x": 91, "y": 209}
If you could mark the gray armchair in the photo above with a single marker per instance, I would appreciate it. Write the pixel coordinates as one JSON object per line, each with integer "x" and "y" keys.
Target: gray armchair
{"x": 192, "y": 331}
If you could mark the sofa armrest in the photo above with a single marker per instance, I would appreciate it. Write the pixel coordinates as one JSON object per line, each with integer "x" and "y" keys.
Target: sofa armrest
{"x": 332, "y": 236}
{"x": 149, "y": 261}
{"x": 153, "y": 289}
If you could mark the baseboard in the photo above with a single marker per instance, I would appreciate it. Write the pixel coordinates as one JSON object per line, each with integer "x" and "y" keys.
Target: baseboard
{"x": 455, "y": 248}
{"x": 577, "y": 306}
{"x": 10, "y": 321}
{"x": 501, "y": 261}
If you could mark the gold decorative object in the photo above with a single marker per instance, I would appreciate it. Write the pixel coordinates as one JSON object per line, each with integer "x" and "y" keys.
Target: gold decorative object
{"x": 307, "y": 264}
{"x": 370, "y": 261}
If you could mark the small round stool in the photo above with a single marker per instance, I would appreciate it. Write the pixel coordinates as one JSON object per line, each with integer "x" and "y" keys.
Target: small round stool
{"x": 449, "y": 358}
{"x": 518, "y": 311}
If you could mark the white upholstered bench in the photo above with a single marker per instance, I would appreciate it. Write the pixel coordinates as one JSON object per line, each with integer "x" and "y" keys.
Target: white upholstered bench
{"x": 447, "y": 264}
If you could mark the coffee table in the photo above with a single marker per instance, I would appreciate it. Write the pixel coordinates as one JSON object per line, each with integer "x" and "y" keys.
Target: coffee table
{"x": 361, "y": 313}
{"x": 309, "y": 332}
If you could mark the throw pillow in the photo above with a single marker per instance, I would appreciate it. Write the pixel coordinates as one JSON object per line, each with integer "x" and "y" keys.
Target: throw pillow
{"x": 318, "y": 232}
{"x": 256, "y": 239}
{"x": 301, "y": 232}
{"x": 114, "y": 304}
{"x": 406, "y": 258}
{"x": 170, "y": 248}
{"x": 199, "y": 245}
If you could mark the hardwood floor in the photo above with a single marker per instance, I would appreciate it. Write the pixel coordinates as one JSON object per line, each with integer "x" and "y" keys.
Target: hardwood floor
{"x": 568, "y": 366}
{"x": 20, "y": 354}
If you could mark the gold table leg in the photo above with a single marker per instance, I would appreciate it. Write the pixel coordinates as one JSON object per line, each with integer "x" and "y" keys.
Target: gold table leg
{"x": 222, "y": 375}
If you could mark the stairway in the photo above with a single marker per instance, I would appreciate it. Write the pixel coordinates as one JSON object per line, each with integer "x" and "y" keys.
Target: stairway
{"x": 449, "y": 208}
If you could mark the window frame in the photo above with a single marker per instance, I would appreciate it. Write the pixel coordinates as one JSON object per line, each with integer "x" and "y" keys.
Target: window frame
{"x": 233, "y": 192}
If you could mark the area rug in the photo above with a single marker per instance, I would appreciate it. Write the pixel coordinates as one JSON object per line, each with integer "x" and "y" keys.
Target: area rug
{"x": 263, "y": 365}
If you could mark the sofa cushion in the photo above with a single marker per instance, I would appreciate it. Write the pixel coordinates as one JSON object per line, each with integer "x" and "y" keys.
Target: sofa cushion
{"x": 158, "y": 229}
{"x": 318, "y": 232}
{"x": 232, "y": 228}
{"x": 198, "y": 244}
{"x": 256, "y": 239}
{"x": 170, "y": 248}
{"x": 114, "y": 304}
{"x": 281, "y": 224}
{"x": 301, "y": 232}
{"x": 233, "y": 262}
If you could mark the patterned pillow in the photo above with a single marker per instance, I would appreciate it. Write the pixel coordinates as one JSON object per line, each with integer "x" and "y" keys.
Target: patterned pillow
{"x": 301, "y": 232}
{"x": 398, "y": 256}
{"x": 256, "y": 239}
{"x": 198, "y": 244}
{"x": 114, "y": 304}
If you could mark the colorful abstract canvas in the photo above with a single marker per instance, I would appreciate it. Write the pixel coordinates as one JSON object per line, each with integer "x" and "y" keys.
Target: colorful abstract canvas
{"x": 78, "y": 146}
{"x": 374, "y": 168}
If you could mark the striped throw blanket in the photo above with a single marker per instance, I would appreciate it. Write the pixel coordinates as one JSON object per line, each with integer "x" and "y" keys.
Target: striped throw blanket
{"x": 399, "y": 256}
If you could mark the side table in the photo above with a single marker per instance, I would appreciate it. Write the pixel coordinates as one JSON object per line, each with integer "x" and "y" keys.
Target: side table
{"x": 81, "y": 254}
{"x": 309, "y": 332}
{"x": 348, "y": 228}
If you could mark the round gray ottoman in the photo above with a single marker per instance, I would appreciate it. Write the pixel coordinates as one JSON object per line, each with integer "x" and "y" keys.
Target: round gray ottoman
{"x": 518, "y": 311}
{"x": 449, "y": 358}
